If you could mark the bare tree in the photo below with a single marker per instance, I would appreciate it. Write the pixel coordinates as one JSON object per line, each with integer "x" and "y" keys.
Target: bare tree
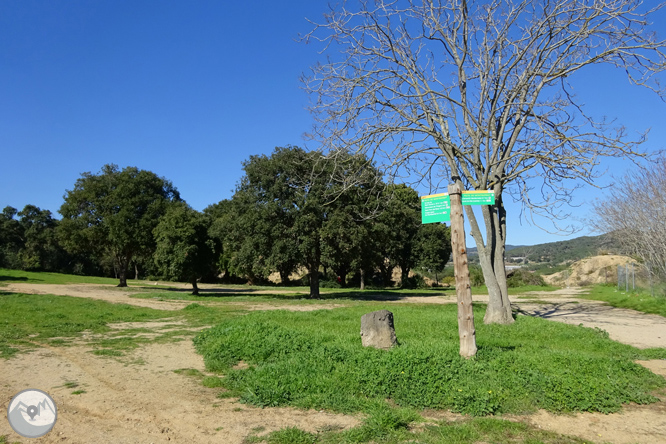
{"x": 477, "y": 91}
{"x": 634, "y": 215}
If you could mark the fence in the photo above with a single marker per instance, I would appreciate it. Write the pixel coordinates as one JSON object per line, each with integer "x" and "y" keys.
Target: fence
{"x": 633, "y": 277}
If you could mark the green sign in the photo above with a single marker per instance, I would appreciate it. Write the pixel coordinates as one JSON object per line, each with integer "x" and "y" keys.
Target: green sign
{"x": 435, "y": 208}
{"x": 483, "y": 197}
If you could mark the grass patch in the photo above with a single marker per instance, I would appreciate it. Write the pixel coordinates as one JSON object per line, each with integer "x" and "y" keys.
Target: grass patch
{"x": 79, "y": 392}
{"x": 393, "y": 428}
{"x": 189, "y": 372}
{"x": 37, "y": 277}
{"x": 107, "y": 352}
{"x": 28, "y": 318}
{"x": 315, "y": 360}
{"x": 639, "y": 301}
{"x": 40, "y": 317}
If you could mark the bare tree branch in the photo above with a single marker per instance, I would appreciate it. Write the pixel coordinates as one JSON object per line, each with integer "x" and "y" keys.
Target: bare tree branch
{"x": 479, "y": 88}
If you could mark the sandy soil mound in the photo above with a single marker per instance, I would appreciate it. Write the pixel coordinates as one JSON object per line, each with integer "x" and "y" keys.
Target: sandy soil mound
{"x": 589, "y": 271}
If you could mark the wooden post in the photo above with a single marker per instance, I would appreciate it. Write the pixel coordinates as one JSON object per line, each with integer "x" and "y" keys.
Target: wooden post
{"x": 466, "y": 329}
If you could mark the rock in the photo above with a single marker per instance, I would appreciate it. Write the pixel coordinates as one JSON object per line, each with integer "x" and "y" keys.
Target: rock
{"x": 377, "y": 330}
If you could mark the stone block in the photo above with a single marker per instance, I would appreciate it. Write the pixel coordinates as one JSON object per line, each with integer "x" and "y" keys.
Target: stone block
{"x": 377, "y": 330}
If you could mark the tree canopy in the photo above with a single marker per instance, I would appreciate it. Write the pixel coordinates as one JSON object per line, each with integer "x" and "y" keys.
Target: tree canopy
{"x": 114, "y": 212}
{"x": 184, "y": 249}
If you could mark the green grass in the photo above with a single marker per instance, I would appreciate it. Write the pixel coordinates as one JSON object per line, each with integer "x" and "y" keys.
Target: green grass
{"x": 635, "y": 300}
{"x": 393, "y": 428}
{"x": 29, "y": 318}
{"x": 39, "y": 317}
{"x": 32, "y": 277}
{"x": 315, "y": 360}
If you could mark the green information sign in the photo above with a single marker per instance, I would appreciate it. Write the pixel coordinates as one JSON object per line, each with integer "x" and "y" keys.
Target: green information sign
{"x": 435, "y": 208}
{"x": 483, "y": 197}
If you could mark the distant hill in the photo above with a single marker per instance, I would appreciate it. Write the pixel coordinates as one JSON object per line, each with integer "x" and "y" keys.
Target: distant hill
{"x": 557, "y": 252}
{"x": 564, "y": 251}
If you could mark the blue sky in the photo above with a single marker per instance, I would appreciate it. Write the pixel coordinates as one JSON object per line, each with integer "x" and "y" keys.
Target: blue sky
{"x": 189, "y": 90}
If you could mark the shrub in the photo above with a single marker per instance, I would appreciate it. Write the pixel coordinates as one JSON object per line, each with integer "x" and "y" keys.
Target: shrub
{"x": 520, "y": 278}
{"x": 476, "y": 278}
{"x": 415, "y": 281}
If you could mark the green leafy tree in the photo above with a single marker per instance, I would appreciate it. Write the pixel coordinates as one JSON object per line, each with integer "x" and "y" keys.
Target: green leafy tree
{"x": 280, "y": 209}
{"x": 11, "y": 238}
{"x": 40, "y": 250}
{"x": 114, "y": 213}
{"x": 349, "y": 238}
{"x": 184, "y": 249}
{"x": 433, "y": 247}
{"x": 397, "y": 228}
{"x": 28, "y": 240}
{"x": 221, "y": 216}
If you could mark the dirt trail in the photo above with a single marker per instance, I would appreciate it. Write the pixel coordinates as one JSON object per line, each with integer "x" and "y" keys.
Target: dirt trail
{"x": 113, "y": 294}
{"x": 138, "y": 398}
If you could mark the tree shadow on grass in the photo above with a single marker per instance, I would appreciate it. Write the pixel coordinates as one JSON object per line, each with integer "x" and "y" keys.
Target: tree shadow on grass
{"x": 356, "y": 295}
{"x": 17, "y": 279}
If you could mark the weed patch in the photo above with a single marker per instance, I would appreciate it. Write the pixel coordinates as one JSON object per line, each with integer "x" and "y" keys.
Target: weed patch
{"x": 315, "y": 360}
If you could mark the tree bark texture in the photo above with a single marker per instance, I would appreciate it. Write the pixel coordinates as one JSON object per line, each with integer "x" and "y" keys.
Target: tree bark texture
{"x": 466, "y": 329}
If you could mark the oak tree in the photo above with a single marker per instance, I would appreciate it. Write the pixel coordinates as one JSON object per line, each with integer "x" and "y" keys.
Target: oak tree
{"x": 114, "y": 213}
{"x": 184, "y": 249}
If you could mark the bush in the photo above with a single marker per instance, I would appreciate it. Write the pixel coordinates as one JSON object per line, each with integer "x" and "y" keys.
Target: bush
{"x": 448, "y": 280}
{"x": 520, "y": 278}
{"x": 415, "y": 281}
{"x": 476, "y": 278}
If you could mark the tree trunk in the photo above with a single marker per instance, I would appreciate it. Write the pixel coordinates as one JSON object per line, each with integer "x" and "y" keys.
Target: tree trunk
{"x": 122, "y": 276}
{"x": 313, "y": 270}
{"x": 195, "y": 288}
{"x": 362, "y": 279}
{"x": 123, "y": 264}
{"x": 404, "y": 275}
{"x": 386, "y": 271}
{"x": 466, "y": 329}
{"x": 251, "y": 278}
{"x": 491, "y": 257}
{"x": 136, "y": 271}
{"x": 284, "y": 277}
{"x": 343, "y": 278}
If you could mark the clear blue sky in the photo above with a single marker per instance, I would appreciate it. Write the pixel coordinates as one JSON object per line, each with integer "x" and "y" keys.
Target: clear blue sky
{"x": 188, "y": 90}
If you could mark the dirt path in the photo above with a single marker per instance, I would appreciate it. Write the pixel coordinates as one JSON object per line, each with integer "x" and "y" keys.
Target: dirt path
{"x": 113, "y": 294}
{"x": 138, "y": 398}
